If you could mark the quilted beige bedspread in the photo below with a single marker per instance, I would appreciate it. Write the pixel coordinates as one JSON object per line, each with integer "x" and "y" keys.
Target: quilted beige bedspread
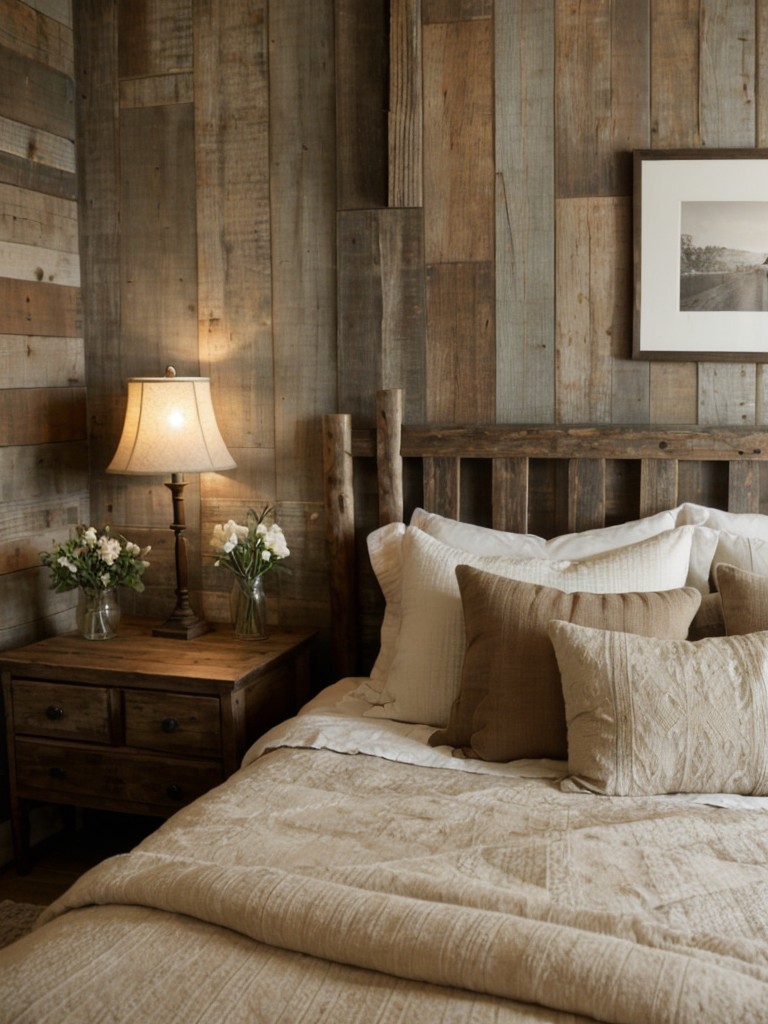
{"x": 318, "y": 886}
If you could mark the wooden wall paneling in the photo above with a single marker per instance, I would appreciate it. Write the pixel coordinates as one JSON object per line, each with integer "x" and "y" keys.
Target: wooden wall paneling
{"x": 302, "y": 209}
{"x": 460, "y": 363}
{"x": 456, "y": 10}
{"x": 37, "y": 610}
{"x": 584, "y": 360}
{"x": 458, "y": 142}
{"x": 673, "y": 392}
{"x": 33, "y": 34}
{"x": 33, "y": 526}
{"x": 602, "y": 61}
{"x": 362, "y": 58}
{"x": 525, "y": 211}
{"x": 158, "y": 260}
{"x": 37, "y": 219}
{"x": 727, "y": 81}
{"x": 658, "y": 485}
{"x": 35, "y": 144}
{"x": 36, "y": 263}
{"x": 381, "y": 334}
{"x": 17, "y": 170}
{"x": 674, "y": 96}
{"x": 761, "y": 73}
{"x": 155, "y": 37}
{"x": 727, "y": 393}
{"x": 158, "y": 90}
{"x": 30, "y": 361}
{"x": 233, "y": 231}
{"x": 42, "y": 415}
{"x": 744, "y": 487}
{"x": 586, "y": 494}
{"x": 36, "y": 95}
{"x": 58, "y": 10}
{"x": 36, "y": 307}
{"x": 406, "y": 105}
{"x": 442, "y": 485}
{"x": 98, "y": 181}
{"x": 510, "y": 494}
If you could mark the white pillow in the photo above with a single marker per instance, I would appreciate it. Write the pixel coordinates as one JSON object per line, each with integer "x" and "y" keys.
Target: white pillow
{"x": 425, "y": 672}
{"x": 482, "y": 540}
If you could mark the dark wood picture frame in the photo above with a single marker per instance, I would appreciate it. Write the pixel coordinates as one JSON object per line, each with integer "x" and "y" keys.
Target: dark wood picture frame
{"x": 705, "y": 298}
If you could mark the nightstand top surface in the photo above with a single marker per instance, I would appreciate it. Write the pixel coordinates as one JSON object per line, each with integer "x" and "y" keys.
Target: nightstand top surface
{"x": 215, "y": 657}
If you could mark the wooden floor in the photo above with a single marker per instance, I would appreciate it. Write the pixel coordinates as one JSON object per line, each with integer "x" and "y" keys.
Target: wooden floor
{"x": 61, "y": 859}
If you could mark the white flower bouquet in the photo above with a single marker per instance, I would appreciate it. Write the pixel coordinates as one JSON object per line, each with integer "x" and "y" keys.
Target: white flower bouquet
{"x": 252, "y": 549}
{"x": 95, "y": 560}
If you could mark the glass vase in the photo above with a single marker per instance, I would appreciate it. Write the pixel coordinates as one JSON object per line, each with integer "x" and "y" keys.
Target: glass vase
{"x": 248, "y": 605}
{"x": 97, "y": 614}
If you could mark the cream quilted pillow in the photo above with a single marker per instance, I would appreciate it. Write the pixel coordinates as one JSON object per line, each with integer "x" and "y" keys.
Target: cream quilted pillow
{"x": 425, "y": 672}
{"x": 648, "y": 716}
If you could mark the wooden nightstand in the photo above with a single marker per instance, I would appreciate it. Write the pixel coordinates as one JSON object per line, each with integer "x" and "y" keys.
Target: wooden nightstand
{"x": 139, "y": 723}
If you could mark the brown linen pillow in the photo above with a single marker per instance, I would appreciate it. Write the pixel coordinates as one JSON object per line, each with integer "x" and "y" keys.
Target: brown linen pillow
{"x": 510, "y": 704}
{"x": 648, "y": 716}
{"x": 744, "y": 597}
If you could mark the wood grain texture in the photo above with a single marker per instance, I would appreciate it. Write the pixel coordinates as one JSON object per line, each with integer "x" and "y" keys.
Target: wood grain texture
{"x": 29, "y": 361}
{"x": 42, "y": 415}
{"x": 362, "y": 57}
{"x": 31, "y": 218}
{"x": 35, "y": 35}
{"x": 34, "y": 307}
{"x": 234, "y": 272}
{"x": 728, "y": 73}
{"x": 458, "y": 142}
{"x": 460, "y": 365}
{"x": 340, "y": 535}
{"x": 37, "y": 145}
{"x": 525, "y": 211}
{"x": 381, "y": 334}
{"x": 36, "y": 95}
{"x": 674, "y": 96}
{"x": 302, "y": 160}
{"x": 602, "y": 60}
{"x": 406, "y": 105}
{"x": 155, "y": 37}
{"x": 456, "y": 10}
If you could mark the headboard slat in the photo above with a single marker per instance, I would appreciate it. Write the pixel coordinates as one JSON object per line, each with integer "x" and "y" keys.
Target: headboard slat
{"x": 659, "y": 480}
{"x": 442, "y": 489}
{"x": 509, "y": 496}
{"x": 744, "y": 487}
{"x": 586, "y": 494}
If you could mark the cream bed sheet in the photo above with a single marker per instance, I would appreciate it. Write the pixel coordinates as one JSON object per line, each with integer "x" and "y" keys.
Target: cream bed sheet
{"x": 317, "y": 885}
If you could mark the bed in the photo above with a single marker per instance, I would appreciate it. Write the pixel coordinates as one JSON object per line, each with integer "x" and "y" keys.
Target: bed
{"x": 540, "y": 798}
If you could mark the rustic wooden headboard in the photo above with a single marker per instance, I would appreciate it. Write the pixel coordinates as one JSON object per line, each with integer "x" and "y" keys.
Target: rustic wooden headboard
{"x": 543, "y": 479}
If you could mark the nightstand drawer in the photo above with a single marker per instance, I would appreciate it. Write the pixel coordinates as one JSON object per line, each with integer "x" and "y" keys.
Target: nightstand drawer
{"x": 75, "y": 774}
{"x": 173, "y": 722}
{"x": 62, "y": 710}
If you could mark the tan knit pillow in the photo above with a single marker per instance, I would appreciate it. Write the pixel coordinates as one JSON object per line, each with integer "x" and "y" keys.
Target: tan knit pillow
{"x": 510, "y": 704}
{"x": 744, "y": 597}
{"x": 648, "y": 716}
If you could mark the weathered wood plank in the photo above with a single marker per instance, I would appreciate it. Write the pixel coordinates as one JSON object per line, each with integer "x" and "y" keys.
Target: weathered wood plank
{"x": 234, "y": 276}
{"x": 458, "y": 142}
{"x": 406, "y": 105}
{"x": 35, "y": 144}
{"x": 158, "y": 264}
{"x": 29, "y": 218}
{"x": 442, "y": 486}
{"x": 456, "y": 10}
{"x": 35, "y": 307}
{"x": 36, "y": 95}
{"x": 658, "y": 485}
{"x": 27, "y": 174}
{"x": 155, "y": 37}
{"x": 27, "y": 528}
{"x": 42, "y": 415}
{"x": 744, "y": 487}
{"x": 761, "y": 73}
{"x": 340, "y": 537}
{"x": 58, "y": 10}
{"x": 727, "y": 393}
{"x": 584, "y": 361}
{"x": 32, "y": 473}
{"x": 389, "y": 461}
{"x": 35, "y": 35}
{"x": 525, "y": 211}
{"x": 510, "y": 494}
{"x": 302, "y": 159}
{"x": 381, "y": 335}
{"x": 37, "y": 263}
{"x": 461, "y": 346}
{"x": 31, "y": 610}
{"x": 158, "y": 90}
{"x": 602, "y": 61}
{"x": 361, "y": 103}
{"x": 27, "y": 361}
{"x": 97, "y": 127}
{"x": 675, "y": 112}
{"x": 586, "y": 494}
{"x": 727, "y": 62}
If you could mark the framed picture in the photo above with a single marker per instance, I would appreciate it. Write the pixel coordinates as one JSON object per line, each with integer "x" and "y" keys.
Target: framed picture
{"x": 701, "y": 254}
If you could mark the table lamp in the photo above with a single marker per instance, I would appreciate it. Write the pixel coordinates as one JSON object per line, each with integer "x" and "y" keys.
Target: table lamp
{"x": 170, "y": 427}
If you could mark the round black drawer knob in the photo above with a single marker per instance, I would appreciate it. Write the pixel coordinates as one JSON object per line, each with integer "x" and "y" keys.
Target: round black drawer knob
{"x": 56, "y": 772}
{"x": 169, "y": 725}
{"x": 54, "y": 712}
{"x": 174, "y": 792}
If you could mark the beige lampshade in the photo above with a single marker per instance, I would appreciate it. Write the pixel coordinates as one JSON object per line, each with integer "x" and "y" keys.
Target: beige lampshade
{"x": 170, "y": 427}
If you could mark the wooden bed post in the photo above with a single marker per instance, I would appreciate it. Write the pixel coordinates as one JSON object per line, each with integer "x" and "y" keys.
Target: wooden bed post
{"x": 340, "y": 540}
{"x": 389, "y": 462}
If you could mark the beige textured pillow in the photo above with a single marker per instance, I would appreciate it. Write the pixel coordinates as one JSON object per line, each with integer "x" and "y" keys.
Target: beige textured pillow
{"x": 744, "y": 597}
{"x": 425, "y": 672}
{"x": 648, "y": 716}
{"x": 510, "y": 705}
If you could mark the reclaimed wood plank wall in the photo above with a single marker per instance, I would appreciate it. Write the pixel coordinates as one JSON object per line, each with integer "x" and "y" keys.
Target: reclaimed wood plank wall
{"x": 43, "y": 446}
{"x": 312, "y": 199}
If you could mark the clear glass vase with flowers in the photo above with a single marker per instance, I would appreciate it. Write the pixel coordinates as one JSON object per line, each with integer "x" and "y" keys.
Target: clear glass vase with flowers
{"x": 249, "y": 551}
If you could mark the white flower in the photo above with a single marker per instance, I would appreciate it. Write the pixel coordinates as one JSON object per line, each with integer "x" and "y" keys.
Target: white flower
{"x": 90, "y": 536}
{"x": 109, "y": 550}
{"x": 66, "y": 564}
